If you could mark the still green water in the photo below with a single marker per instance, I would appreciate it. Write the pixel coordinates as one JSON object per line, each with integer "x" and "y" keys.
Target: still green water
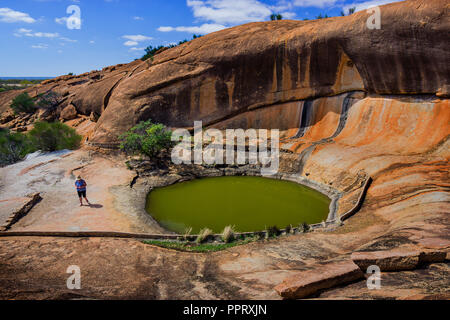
{"x": 248, "y": 203}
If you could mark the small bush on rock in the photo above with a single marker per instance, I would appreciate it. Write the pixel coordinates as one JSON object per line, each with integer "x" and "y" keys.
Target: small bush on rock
{"x": 203, "y": 235}
{"x": 304, "y": 227}
{"x": 273, "y": 231}
{"x": 49, "y": 101}
{"x": 23, "y": 103}
{"x": 187, "y": 233}
{"x": 54, "y": 136}
{"x": 146, "y": 138}
{"x": 13, "y": 147}
{"x": 228, "y": 234}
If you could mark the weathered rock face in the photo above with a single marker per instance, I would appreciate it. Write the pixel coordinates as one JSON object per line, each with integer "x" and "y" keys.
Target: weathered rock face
{"x": 263, "y": 64}
{"x": 310, "y": 282}
{"x": 402, "y": 258}
{"x": 353, "y": 102}
{"x": 278, "y": 64}
{"x": 69, "y": 112}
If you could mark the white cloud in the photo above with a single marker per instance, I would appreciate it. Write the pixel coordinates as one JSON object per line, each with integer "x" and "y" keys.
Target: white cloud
{"x": 40, "y": 46}
{"x": 30, "y": 33}
{"x": 166, "y": 29}
{"x": 288, "y": 15}
{"x": 67, "y": 39}
{"x": 134, "y": 40}
{"x": 367, "y": 4}
{"x": 62, "y": 20}
{"x": 137, "y": 49}
{"x": 43, "y": 35}
{"x": 10, "y": 16}
{"x": 229, "y": 11}
{"x": 220, "y": 14}
{"x": 131, "y": 43}
{"x": 23, "y": 30}
{"x": 203, "y": 29}
{"x": 137, "y": 37}
{"x": 92, "y": 42}
{"x": 315, "y": 3}
{"x": 138, "y": 18}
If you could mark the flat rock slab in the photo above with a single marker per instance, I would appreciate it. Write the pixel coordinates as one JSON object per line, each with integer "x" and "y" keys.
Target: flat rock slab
{"x": 309, "y": 282}
{"x": 397, "y": 259}
{"x": 13, "y": 209}
{"x": 9, "y": 206}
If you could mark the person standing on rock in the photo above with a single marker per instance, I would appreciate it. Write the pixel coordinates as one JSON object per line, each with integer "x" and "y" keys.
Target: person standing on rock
{"x": 81, "y": 189}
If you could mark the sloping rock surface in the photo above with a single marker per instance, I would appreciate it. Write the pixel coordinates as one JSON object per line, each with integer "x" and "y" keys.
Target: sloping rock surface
{"x": 309, "y": 282}
{"x": 256, "y": 65}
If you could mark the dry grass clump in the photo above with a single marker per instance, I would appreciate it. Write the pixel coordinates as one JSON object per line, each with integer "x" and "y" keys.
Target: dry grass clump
{"x": 304, "y": 227}
{"x": 187, "y": 233}
{"x": 228, "y": 234}
{"x": 203, "y": 235}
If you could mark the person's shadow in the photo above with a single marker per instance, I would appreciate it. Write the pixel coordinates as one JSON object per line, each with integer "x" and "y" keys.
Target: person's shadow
{"x": 95, "y": 206}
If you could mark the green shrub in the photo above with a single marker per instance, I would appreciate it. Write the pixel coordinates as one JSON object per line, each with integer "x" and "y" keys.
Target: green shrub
{"x": 276, "y": 16}
{"x": 146, "y": 138}
{"x": 13, "y": 147}
{"x": 303, "y": 227}
{"x": 23, "y": 103}
{"x": 54, "y": 136}
{"x": 150, "y": 52}
{"x": 273, "y": 231}
{"x": 288, "y": 229}
{"x": 49, "y": 100}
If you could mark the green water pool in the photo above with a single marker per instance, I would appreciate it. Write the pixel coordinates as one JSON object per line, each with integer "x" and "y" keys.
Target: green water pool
{"x": 248, "y": 203}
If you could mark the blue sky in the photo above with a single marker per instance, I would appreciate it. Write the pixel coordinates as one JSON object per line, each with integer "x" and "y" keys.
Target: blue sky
{"x": 37, "y": 41}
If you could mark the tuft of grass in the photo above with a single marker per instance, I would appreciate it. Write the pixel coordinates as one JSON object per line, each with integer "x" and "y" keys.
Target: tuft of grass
{"x": 129, "y": 167}
{"x": 228, "y": 234}
{"x": 273, "y": 231}
{"x": 187, "y": 233}
{"x": 304, "y": 227}
{"x": 288, "y": 229}
{"x": 203, "y": 235}
{"x": 198, "y": 248}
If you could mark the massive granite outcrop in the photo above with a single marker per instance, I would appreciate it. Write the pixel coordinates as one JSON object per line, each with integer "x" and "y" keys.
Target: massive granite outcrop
{"x": 243, "y": 69}
{"x": 352, "y": 102}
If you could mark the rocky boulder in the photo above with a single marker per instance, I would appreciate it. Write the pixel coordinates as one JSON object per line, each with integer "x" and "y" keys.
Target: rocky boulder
{"x": 312, "y": 281}
{"x": 69, "y": 113}
{"x": 397, "y": 259}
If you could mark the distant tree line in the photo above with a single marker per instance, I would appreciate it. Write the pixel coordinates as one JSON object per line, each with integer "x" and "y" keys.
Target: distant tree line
{"x": 16, "y": 84}
{"x": 276, "y": 16}
{"x": 151, "y": 51}
{"x": 324, "y": 16}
